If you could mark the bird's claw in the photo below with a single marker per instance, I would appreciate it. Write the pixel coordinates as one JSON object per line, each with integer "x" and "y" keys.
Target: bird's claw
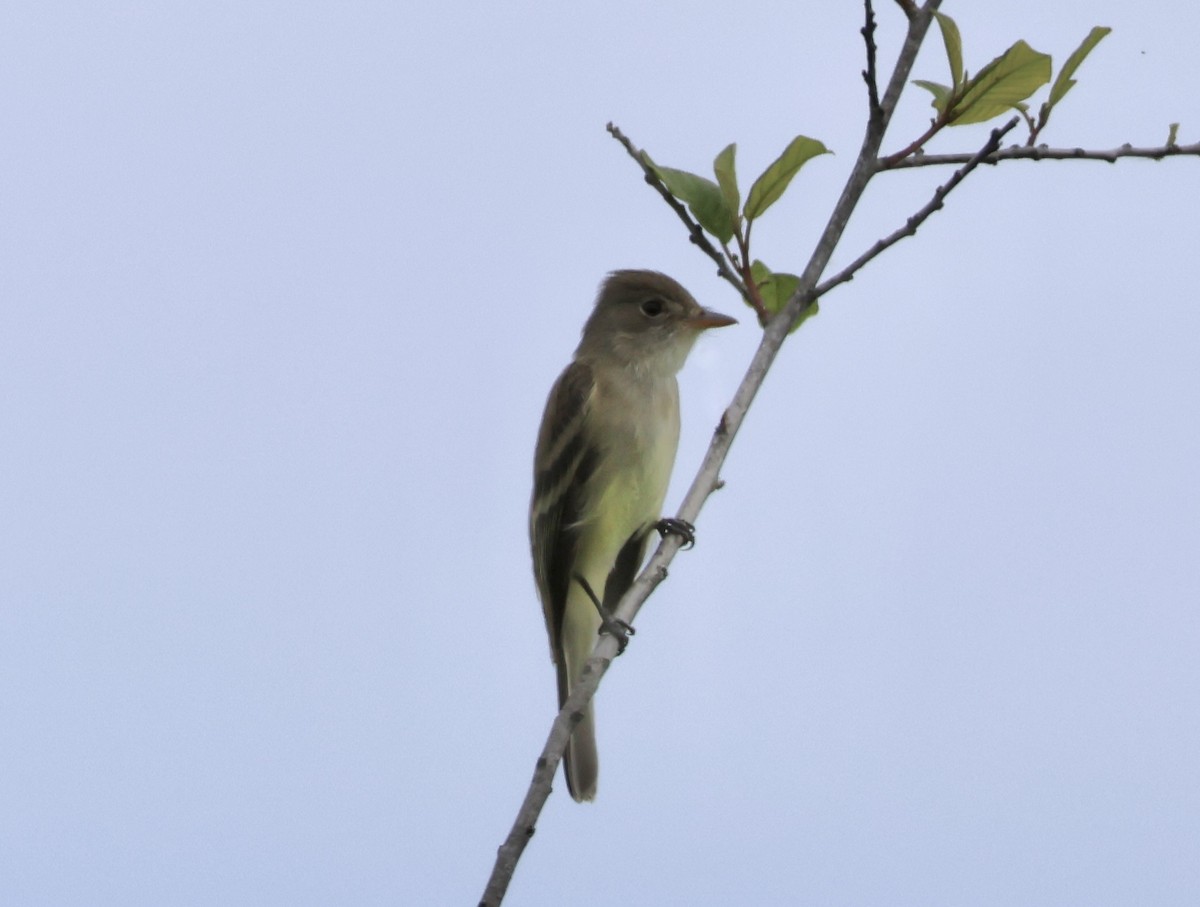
{"x": 618, "y": 629}
{"x": 682, "y": 528}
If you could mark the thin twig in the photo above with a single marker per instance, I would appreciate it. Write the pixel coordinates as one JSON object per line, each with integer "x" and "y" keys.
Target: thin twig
{"x": 695, "y": 231}
{"x": 743, "y": 263}
{"x": 914, "y": 222}
{"x": 936, "y": 125}
{"x": 1043, "y": 153}
{"x": 866, "y": 165}
{"x": 1035, "y": 127}
{"x": 869, "y": 76}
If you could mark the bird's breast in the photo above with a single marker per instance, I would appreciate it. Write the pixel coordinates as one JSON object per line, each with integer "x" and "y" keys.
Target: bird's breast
{"x": 638, "y": 434}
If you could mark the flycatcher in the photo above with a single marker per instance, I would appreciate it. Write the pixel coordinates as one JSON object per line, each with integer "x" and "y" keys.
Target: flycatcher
{"x": 604, "y": 457}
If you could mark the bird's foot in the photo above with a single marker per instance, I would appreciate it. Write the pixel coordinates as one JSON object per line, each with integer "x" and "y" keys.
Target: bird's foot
{"x": 682, "y": 528}
{"x": 618, "y": 629}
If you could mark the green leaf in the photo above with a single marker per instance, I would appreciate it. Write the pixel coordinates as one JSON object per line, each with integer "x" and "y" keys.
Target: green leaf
{"x": 702, "y": 196}
{"x": 941, "y": 93}
{"x": 1172, "y": 134}
{"x": 775, "y": 289}
{"x": 953, "y": 41}
{"x": 1064, "y": 81}
{"x": 774, "y": 180}
{"x": 727, "y": 177}
{"x": 1010, "y": 78}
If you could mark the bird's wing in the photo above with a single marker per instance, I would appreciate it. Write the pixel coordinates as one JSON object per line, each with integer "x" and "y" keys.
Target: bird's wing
{"x": 566, "y": 458}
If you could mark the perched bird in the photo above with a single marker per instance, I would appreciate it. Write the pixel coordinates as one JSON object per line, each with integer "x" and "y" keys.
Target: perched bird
{"x": 604, "y": 457}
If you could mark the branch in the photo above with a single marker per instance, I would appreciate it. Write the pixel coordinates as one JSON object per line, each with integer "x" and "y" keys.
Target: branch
{"x": 743, "y": 262}
{"x": 569, "y": 715}
{"x": 1043, "y": 153}
{"x": 695, "y": 231}
{"x": 707, "y": 480}
{"x": 865, "y": 166}
{"x": 915, "y": 146}
{"x": 915, "y": 221}
{"x": 869, "y": 76}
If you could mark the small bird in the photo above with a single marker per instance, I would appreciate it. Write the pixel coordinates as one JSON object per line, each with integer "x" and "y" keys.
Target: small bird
{"x": 604, "y": 457}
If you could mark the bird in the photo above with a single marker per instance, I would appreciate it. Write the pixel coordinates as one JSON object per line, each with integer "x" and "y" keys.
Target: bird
{"x": 604, "y": 455}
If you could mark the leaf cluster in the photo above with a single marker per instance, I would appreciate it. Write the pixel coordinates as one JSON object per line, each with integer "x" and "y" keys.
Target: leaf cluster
{"x": 716, "y": 204}
{"x": 1002, "y": 85}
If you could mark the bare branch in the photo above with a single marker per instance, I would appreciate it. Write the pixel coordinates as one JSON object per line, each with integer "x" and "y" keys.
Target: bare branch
{"x": 913, "y": 223}
{"x": 869, "y": 76}
{"x": 865, "y": 166}
{"x": 918, "y": 25}
{"x": 540, "y": 786}
{"x": 936, "y": 125}
{"x": 695, "y": 231}
{"x": 1043, "y": 153}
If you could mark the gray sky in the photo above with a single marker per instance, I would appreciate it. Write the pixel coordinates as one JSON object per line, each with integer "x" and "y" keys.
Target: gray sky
{"x": 284, "y": 287}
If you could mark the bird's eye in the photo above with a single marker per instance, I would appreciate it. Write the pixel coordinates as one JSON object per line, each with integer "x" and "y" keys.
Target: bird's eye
{"x": 652, "y": 308}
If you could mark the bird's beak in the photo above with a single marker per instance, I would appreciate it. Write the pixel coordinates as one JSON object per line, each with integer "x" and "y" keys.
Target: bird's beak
{"x": 706, "y": 318}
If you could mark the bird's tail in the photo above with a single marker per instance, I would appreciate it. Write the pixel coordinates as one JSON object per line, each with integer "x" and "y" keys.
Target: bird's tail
{"x": 581, "y": 764}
